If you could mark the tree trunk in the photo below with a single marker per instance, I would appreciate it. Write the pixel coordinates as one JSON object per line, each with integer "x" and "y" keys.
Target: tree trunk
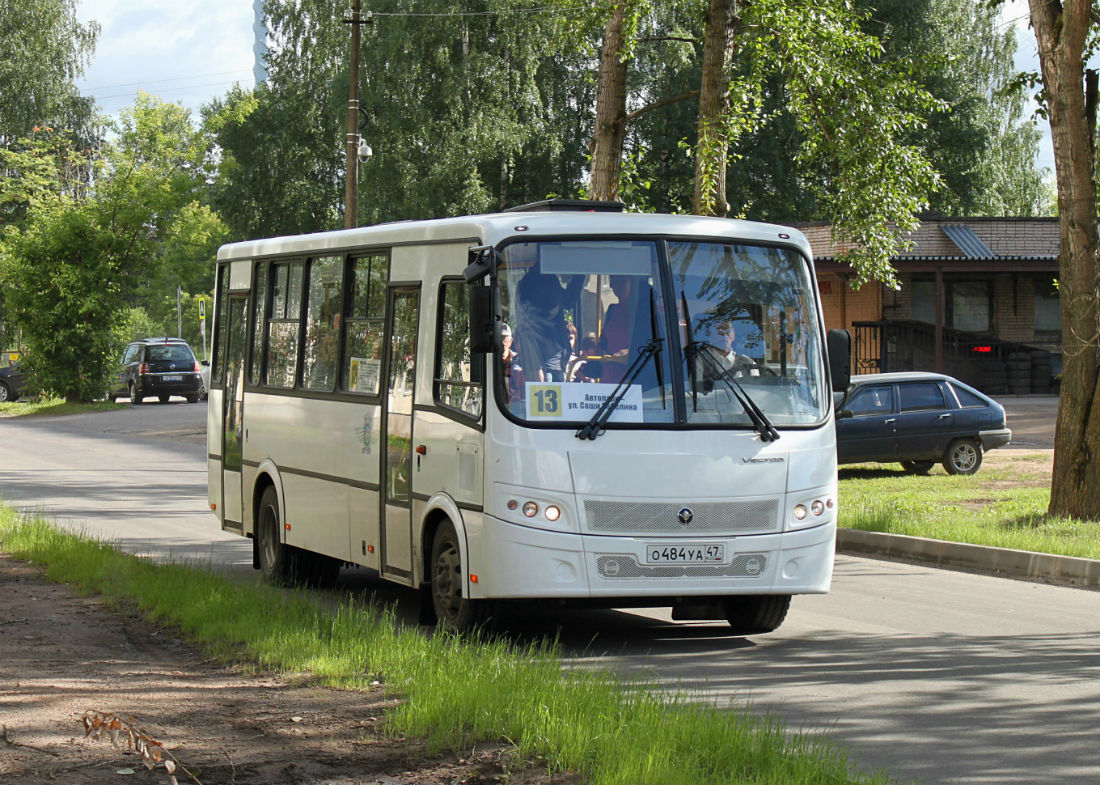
{"x": 1061, "y": 29}
{"x": 712, "y": 145}
{"x": 607, "y": 141}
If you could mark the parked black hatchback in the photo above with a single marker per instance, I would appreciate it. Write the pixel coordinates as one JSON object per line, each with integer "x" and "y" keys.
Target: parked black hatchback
{"x": 918, "y": 419}
{"x": 160, "y": 367}
{"x": 11, "y": 382}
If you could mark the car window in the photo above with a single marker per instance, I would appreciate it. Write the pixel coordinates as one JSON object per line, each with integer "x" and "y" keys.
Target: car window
{"x": 176, "y": 353}
{"x": 967, "y": 398}
{"x": 872, "y": 400}
{"x": 914, "y": 396}
{"x": 131, "y": 354}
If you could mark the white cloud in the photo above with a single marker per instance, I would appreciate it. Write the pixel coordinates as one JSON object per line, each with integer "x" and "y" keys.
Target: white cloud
{"x": 186, "y": 52}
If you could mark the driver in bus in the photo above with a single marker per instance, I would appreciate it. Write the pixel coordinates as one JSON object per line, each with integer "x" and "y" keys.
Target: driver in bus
{"x": 717, "y": 357}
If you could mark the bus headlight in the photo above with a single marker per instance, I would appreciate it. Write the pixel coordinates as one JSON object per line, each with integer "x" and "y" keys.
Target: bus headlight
{"x": 812, "y": 512}
{"x": 533, "y": 508}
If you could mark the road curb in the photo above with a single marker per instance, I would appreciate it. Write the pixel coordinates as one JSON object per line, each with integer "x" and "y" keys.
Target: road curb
{"x": 1006, "y": 562}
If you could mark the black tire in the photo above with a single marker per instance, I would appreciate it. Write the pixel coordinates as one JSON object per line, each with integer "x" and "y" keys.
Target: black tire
{"x": 963, "y": 456}
{"x": 918, "y": 467}
{"x": 755, "y": 614}
{"x": 452, "y": 610}
{"x": 193, "y": 398}
{"x": 278, "y": 561}
{"x": 163, "y": 398}
{"x": 135, "y": 397}
{"x": 5, "y": 393}
{"x": 112, "y": 397}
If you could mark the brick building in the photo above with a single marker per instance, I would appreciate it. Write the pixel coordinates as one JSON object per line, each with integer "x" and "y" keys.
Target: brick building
{"x": 977, "y": 301}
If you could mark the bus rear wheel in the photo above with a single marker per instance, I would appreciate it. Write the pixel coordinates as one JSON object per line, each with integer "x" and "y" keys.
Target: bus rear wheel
{"x": 755, "y": 614}
{"x": 452, "y": 610}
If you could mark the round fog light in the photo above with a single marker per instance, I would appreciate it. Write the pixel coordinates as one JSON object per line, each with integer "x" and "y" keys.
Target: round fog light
{"x": 800, "y": 512}
{"x": 552, "y": 513}
{"x": 817, "y": 507}
{"x": 530, "y": 509}
{"x": 513, "y": 504}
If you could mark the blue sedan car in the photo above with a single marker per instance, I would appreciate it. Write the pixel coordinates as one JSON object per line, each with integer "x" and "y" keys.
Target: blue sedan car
{"x": 918, "y": 419}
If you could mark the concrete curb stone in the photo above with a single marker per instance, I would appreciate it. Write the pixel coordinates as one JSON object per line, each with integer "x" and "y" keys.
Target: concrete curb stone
{"x": 1005, "y": 562}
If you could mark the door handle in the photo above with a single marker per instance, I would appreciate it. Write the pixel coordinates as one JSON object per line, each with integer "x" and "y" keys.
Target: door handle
{"x": 945, "y": 416}
{"x": 891, "y": 421}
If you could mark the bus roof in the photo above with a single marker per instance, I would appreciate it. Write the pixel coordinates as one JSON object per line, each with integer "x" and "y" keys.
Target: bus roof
{"x": 492, "y": 229}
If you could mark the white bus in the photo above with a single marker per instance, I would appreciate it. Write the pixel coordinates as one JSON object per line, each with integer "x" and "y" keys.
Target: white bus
{"x": 558, "y": 402}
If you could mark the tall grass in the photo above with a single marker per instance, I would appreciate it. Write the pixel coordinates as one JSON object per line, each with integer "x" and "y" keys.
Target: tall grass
{"x": 454, "y": 691}
{"x": 1003, "y": 506}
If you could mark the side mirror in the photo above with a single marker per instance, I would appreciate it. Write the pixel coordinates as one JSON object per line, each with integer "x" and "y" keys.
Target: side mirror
{"x": 483, "y": 337}
{"x": 205, "y": 363}
{"x": 843, "y": 414}
{"x": 838, "y": 343}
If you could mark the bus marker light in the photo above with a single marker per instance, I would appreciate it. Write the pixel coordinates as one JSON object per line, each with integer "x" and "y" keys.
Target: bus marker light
{"x": 286, "y": 526}
{"x": 213, "y": 506}
{"x": 421, "y": 449}
{"x": 473, "y": 578}
{"x": 513, "y": 504}
{"x": 370, "y": 549}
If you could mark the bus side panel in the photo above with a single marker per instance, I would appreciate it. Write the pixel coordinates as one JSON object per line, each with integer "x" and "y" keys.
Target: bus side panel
{"x": 214, "y": 453}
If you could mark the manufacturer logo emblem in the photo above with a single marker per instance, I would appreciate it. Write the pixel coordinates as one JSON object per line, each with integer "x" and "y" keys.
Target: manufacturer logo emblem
{"x": 685, "y": 515}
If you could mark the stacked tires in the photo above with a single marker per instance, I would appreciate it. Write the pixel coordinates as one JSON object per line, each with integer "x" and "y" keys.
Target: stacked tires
{"x": 1019, "y": 373}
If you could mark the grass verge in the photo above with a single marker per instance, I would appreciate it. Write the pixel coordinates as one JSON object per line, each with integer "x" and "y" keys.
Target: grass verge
{"x": 1004, "y": 505}
{"x": 53, "y": 406}
{"x": 456, "y": 691}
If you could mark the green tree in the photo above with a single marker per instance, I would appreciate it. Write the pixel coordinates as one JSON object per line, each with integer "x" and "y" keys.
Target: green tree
{"x": 42, "y": 50}
{"x": 82, "y": 260}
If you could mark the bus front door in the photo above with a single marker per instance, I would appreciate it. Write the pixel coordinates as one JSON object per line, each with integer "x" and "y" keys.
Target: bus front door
{"x": 232, "y": 416}
{"x": 397, "y": 455}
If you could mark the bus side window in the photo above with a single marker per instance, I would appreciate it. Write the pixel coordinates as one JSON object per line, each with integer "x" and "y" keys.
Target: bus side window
{"x": 364, "y": 324}
{"x": 324, "y": 298}
{"x": 259, "y": 299}
{"x": 458, "y": 374}
{"x": 217, "y": 371}
{"x": 283, "y": 324}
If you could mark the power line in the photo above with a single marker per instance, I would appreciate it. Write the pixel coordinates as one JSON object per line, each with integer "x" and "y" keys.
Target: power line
{"x": 169, "y": 79}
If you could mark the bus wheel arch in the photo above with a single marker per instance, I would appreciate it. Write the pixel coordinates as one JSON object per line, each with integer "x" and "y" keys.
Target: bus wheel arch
{"x": 447, "y": 574}
{"x": 275, "y": 559}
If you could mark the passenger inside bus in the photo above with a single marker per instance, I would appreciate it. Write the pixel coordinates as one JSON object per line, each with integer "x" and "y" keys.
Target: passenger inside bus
{"x": 626, "y": 326}
{"x": 541, "y": 325}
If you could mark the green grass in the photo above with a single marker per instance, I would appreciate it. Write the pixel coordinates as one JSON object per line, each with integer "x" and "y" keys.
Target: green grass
{"x": 1003, "y": 505}
{"x": 455, "y": 692}
{"x": 53, "y": 406}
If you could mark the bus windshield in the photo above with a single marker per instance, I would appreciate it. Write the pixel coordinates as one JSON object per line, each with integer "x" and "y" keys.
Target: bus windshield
{"x": 700, "y": 333}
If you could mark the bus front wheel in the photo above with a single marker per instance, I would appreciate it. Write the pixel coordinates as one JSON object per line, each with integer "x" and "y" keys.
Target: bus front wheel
{"x": 452, "y": 610}
{"x": 277, "y": 563}
{"x": 752, "y": 615}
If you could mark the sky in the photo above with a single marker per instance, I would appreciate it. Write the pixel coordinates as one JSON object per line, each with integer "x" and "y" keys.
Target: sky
{"x": 193, "y": 51}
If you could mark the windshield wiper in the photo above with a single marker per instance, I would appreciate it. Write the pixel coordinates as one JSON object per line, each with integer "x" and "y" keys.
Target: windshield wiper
{"x": 761, "y": 423}
{"x": 595, "y": 426}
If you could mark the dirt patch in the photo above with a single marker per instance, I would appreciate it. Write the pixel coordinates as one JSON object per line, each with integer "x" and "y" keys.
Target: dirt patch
{"x": 62, "y": 655}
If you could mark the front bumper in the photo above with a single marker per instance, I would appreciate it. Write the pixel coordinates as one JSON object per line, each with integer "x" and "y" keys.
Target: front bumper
{"x": 512, "y": 561}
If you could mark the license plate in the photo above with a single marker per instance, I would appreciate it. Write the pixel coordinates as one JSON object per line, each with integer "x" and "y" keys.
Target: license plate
{"x": 706, "y": 553}
{"x": 173, "y": 378}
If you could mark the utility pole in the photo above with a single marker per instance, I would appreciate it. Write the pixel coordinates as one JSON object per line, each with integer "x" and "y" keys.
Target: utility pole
{"x": 351, "y": 184}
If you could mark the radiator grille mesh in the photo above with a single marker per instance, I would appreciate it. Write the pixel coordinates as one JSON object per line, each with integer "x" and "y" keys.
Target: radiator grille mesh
{"x": 660, "y": 518}
{"x": 625, "y": 566}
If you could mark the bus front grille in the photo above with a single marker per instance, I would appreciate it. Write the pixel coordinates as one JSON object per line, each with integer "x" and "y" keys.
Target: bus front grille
{"x": 756, "y": 516}
{"x": 625, "y": 566}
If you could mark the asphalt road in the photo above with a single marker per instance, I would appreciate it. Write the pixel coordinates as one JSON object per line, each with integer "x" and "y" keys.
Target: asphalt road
{"x": 935, "y": 676}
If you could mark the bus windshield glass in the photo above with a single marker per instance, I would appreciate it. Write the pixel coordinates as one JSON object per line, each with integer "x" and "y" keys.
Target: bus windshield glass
{"x": 709, "y": 329}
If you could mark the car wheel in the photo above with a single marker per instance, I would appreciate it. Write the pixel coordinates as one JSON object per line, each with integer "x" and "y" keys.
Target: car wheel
{"x": 452, "y": 610}
{"x": 278, "y": 561}
{"x": 112, "y": 397}
{"x": 5, "y": 393}
{"x": 192, "y": 398}
{"x": 135, "y": 397}
{"x": 918, "y": 467}
{"x": 756, "y": 614}
{"x": 964, "y": 456}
